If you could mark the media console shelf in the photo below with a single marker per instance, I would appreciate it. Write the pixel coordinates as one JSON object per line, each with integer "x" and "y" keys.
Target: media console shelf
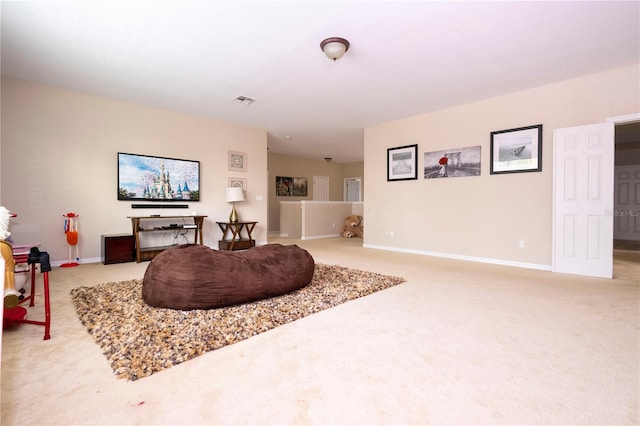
{"x": 146, "y": 224}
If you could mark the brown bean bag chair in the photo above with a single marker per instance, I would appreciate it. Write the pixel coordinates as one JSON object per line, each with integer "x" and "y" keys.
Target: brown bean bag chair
{"x": 198, "y": 277}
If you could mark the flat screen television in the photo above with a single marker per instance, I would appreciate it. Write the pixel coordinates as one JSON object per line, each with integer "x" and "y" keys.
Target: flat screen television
{"x": 149, "y": 178}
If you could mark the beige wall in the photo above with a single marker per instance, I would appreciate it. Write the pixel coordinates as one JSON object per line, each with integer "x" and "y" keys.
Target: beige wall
{"x": 291, "y": 219}
{"x": 59, "y": 155}
{"x": 315, "y": 219}
{"x": 483, "y": 217}
{"x": 284, "y": 165}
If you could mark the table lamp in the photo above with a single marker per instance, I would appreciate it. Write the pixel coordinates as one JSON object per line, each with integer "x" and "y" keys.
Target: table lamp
{"x": 234, "y": 194}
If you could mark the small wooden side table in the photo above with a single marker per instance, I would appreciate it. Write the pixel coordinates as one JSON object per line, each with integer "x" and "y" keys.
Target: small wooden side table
{"x": 234, "y": 229}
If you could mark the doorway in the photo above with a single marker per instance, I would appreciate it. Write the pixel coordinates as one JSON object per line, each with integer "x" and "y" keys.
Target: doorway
{"x": 353, "y": 189}
{"x": 583, "y": 198}
{"x": 321, "y": 188}
{"x": 626, "y": 220}
{"x": 626, "y": 231}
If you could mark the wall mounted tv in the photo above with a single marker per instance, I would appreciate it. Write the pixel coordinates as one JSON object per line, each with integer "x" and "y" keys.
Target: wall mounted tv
{"x": 148, "y": 178}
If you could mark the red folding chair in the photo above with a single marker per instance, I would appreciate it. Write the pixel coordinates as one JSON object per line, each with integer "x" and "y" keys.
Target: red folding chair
{"x": 18, "y": 314}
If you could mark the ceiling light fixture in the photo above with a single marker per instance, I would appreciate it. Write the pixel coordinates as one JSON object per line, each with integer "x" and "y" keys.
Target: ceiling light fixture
{"x": 334, "y": 47}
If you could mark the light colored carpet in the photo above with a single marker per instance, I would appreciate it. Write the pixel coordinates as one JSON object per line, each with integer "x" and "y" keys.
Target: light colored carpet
{"x": 457, "y": 343}
{"x": 140, "y": 340}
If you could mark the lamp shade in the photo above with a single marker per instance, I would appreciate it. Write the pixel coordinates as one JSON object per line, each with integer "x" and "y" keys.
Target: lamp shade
{"x": 234, "y": 194}
{"x": 334, "y": 47}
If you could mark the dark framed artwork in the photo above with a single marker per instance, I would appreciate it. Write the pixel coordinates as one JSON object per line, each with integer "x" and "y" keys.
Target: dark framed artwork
{"x": 287, "y": 186}
{"x": 516, "y": 150}
{"x": 402, "y": 163}
{"x": 300, "y": 187}
{"x": 284, "y": 186}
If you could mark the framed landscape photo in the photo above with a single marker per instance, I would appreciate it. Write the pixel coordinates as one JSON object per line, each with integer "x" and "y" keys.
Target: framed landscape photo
{"x": 237, "y": 161}
{"x": 402, "y": 163}
{"x": 516, "y": 150}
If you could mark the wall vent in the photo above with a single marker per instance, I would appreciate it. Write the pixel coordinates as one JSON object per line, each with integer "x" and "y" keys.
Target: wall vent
{"x": 244, "y": 100}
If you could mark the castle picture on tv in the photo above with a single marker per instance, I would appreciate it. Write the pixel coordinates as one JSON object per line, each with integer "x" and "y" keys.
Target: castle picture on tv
{"x": 149, "y": 178}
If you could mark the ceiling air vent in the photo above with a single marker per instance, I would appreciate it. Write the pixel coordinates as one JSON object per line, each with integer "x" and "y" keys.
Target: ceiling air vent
{"x": 244, "y": 100}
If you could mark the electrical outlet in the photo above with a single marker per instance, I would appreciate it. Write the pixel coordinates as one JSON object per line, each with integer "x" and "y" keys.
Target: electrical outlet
{"x": 521, "y": 244}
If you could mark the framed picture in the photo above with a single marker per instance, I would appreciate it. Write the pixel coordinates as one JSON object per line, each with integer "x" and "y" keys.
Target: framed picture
{"x": 455, "y": 162}
{"x": 516, "y": 150}
{"x": 402, "y": 163}
{"x": 300, "y": 187}
{"x": 284, "y": 186}
{"x": 238, "y": 161}
{"x": 237, "y": 182}
{"x": 287, "y": 186}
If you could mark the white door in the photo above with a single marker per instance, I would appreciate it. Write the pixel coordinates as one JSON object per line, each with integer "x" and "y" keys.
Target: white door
{"x": 626, "y": 218}
{"x": 321, "y": 188}
{"x": 583, "y": 200}
{"x": 352, "y": 189}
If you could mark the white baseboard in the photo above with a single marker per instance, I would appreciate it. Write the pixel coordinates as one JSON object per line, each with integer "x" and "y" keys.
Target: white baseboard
{"x": 317, "y": 237}
{"x": 462, "y": 257}
{"x": 81, "y": 261}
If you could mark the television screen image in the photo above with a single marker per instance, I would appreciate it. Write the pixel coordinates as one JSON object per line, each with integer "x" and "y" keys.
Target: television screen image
{"x": 149, "y": 178}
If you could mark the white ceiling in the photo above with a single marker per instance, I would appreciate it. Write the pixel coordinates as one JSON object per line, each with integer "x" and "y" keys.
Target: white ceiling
{"x": 406, "y": 58}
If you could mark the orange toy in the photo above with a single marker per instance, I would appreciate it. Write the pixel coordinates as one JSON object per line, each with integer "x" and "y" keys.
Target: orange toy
{"x": 71, "y": 232}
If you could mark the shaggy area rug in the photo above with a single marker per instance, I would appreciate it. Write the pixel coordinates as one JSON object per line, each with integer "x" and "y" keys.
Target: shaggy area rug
{"x": 140, "y": 340}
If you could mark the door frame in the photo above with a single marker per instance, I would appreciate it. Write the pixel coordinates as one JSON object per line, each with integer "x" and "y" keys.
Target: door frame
{"x": 609, "y": 173}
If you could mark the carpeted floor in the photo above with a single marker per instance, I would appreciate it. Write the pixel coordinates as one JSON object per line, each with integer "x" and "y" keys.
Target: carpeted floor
{"x": 458, "y": 343}
{"x": 140, "y": 340}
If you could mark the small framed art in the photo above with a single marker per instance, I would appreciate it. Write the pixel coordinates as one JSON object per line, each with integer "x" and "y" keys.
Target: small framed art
{"x": 516, "y": 150}
{"x": 237, "y": 161}
{"x": 402, "y": 163}
{"x": 237, "y": 182}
